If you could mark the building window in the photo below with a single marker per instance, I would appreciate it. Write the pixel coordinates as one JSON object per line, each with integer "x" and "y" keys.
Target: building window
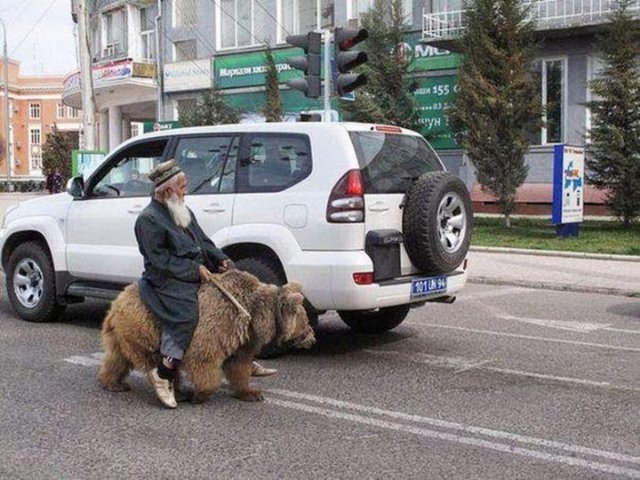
{"x": 147, "y": 32}
{"x": 551, "y": 76}
{"x": 34, "y": 110}
{"x": 73, "y": 112}
{"x": 243, "y": 23}
{"x": 355, "y": 8}
{"x": 61, "y": 111}
{"x": 185, "y": 108}
{"x": 35, "y": 148}
{"x": 114, "y": 33}
{"x": 300, "y": 16}
{"x": 185, "y": 13}
{"x": 185, "y": 50}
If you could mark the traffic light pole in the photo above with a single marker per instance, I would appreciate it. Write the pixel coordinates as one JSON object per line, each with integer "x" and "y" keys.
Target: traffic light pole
{"x": 327, "y": 76}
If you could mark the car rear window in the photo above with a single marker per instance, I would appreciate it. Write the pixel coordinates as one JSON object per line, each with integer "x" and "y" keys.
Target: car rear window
{"x": 389, "y": 162}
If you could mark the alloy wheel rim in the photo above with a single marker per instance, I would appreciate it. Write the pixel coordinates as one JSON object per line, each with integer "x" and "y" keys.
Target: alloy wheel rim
{"x": 452, "y": 222}
{"x": 28, "y": 283}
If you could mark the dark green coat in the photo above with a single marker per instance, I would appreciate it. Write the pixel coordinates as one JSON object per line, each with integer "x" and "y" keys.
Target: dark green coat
{"x": 171, "y": 278}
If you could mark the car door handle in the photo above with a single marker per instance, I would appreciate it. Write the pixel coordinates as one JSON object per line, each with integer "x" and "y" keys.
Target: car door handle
{"x": 378, "y": 207}
{"x": 214, "y": 208}
{"x": 135, "y": 210}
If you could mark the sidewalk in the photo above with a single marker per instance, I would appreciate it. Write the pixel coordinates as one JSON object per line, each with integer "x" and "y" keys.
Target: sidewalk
{"x": 608, "y": 274}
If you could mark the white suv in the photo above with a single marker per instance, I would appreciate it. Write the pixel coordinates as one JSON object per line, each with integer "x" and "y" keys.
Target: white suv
{"x": 365, "y": 217}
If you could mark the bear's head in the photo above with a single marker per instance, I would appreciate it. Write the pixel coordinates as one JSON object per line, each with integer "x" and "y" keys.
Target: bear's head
{"x": 293, "y": 323}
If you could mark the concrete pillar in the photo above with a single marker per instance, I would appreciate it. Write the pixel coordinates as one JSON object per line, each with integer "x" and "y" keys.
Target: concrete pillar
{"x": 104, "y": 131}
{"x": 126, "y": 127}
{"x": 115, "y": 127}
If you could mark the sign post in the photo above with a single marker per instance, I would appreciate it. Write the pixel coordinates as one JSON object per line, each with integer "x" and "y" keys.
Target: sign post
{"x": 568, "y": 190}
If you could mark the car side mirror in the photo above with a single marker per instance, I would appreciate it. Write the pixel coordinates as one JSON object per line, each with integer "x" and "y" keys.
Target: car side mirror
{"x": 75, "y": 187}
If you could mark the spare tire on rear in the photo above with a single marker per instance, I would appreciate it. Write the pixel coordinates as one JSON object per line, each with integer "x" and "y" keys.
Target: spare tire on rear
{"x": 436, "y": 222}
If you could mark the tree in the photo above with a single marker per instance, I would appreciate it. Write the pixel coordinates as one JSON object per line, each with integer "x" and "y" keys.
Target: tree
{"x": 497, "y": 102}
{"x": 388, "y": 96}
{"x": 272, "y": 109}
{"x": 56, "y": 153}
{"x": 211, "y": 109}
{"x": 613, "y": 157}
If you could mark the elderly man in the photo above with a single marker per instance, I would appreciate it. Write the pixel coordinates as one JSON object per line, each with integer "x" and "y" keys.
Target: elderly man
{"x": 178, "y": 256}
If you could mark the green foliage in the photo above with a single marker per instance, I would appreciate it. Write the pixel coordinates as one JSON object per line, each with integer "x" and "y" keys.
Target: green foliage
{"x": 211, "y": 109}
{"x": 613, "y": 158}
{"x": 56, "y": 153}
{"x": 497, "y": 101}
{"x": 388, "y": 96}
{"x": 272, "y": 109}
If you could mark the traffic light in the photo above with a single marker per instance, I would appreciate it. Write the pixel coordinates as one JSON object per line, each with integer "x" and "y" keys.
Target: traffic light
{"x": 309, "y": 63}
{"x": 344, "y": 40}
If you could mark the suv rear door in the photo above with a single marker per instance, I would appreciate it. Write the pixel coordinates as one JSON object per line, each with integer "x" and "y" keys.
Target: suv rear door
{"x": 389, "y": 161}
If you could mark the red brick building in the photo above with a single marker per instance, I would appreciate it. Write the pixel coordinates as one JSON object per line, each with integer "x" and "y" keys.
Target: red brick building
{"x": 35, "y": 106}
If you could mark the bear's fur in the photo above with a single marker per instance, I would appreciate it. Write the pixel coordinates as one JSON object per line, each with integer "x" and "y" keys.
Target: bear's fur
{"x": 224, "y": 338}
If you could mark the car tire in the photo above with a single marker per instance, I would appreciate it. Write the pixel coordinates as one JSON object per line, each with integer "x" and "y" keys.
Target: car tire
{"x": 31, "y": 284}
{"x": 437, "y": 222}
{"x": 375, "y": 321}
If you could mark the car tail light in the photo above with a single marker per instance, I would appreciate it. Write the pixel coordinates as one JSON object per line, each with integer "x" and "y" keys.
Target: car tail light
{"x": 346, "y": 202}
{"x": 363, "y": 278}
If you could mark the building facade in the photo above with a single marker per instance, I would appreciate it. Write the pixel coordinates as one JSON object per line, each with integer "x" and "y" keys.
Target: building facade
{"x": 35, "y": 106}
{"x": 568, "y": 61}
{"x": 196, "y": 44}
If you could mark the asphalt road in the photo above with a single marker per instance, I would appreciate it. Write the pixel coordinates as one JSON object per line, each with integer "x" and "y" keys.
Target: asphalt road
{"x": 507, "y": 382}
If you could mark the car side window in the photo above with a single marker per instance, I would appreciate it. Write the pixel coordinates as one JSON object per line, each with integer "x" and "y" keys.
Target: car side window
{"x": 204, "y": 160}
{"x": 273, "y": 162}
{"x": 128, "y": 175}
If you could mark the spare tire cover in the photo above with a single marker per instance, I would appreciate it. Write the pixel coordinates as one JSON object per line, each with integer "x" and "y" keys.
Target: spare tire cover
{"x": 437, "y": 222}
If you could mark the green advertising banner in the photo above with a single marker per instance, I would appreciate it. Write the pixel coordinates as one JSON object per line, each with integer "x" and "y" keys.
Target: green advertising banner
{"x": 433, "y": 95}
{"x": 148, "y": 127}
{"x": 84, "y": 162}
{"x": 249, "y": 69}
{"x": 293, "y": 102}
{"x": 424, "y": 58}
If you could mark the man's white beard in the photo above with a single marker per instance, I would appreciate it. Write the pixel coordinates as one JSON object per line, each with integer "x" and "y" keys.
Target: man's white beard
{"x": 179, "y": 211}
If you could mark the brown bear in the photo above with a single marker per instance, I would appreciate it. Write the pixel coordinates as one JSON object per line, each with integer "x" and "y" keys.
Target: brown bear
{"x": 225, "y": 338}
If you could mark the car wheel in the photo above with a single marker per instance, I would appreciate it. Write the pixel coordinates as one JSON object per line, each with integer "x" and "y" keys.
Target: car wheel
{"x": 375, "y": 321}
{"x": 31, "y": 284}
{"x": 437, "y": 222}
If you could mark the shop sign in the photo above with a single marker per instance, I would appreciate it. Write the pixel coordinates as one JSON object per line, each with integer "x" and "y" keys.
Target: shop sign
{"x": 568, "y": 185}
{"x": 144, "y": 70}
{"x": 423, "y": 57}
{"x": 148, "y": 127}
{"x": 249, "y": 69}
{"x": 113, "y": 71}
{"x": 434, "y": 95}
{"x": 72, "y": 82}
{"x": 191, "y": 75}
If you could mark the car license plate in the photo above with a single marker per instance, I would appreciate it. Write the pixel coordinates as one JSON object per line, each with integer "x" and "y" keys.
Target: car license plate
{"x": 427, "y": 286}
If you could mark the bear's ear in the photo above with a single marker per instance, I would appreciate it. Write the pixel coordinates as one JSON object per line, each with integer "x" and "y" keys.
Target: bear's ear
{"x": 288, "y": 303}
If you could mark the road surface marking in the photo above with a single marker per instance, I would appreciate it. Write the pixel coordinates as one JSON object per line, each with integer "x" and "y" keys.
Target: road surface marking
{"x": 461, "y": 365}
{"x": 582, "y": 327}
{"x": 527, "y": 337}
{"x": 338, "y": 413}
{"x": 464, "y": 440}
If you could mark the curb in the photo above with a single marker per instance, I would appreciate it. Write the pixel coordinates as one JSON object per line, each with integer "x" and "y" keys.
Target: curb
{"x": 558, "y": 253}
{"x": 563, "y": 287}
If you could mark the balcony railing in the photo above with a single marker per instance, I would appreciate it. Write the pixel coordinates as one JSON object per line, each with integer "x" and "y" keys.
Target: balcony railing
{"x": 548, "y": 14}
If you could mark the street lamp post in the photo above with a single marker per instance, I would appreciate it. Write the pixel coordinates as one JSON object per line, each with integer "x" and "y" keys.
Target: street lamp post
{"x": 7, "y": 143}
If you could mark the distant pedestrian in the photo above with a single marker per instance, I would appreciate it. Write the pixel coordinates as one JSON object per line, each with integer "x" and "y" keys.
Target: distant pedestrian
{"x": 56, "y": 181}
